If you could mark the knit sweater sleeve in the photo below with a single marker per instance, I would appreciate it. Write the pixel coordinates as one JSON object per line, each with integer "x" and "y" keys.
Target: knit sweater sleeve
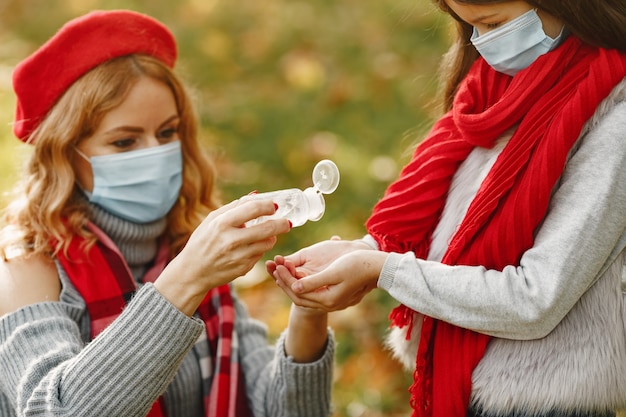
{"x": 276, "y": 385}
{"x": 48, "y": 371}
{"x": 583, "y": 233}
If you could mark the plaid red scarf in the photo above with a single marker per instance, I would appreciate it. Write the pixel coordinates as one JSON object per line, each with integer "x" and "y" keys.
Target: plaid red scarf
{"x": 103, "y": 279}
{"x": 550, "y": 102}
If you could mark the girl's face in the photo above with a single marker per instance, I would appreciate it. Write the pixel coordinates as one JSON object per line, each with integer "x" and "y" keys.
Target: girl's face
{"x": 487, "y": 17}
{"x": 147, "y": 117}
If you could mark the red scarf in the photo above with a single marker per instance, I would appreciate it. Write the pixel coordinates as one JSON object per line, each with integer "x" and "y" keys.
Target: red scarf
{"x": 550, "y": 101}
{"x": 104, "y": 281}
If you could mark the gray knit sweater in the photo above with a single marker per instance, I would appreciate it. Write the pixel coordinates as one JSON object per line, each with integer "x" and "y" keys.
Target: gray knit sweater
{"x": 48, "y": 367}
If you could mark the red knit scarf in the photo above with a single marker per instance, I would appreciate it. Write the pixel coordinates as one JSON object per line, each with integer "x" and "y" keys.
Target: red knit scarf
{"x": 103, "y": 279}
{"x": 550, "y": 101}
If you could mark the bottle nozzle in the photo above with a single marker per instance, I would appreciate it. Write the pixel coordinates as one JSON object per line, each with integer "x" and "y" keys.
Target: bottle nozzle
{"x": 317, "y": 206}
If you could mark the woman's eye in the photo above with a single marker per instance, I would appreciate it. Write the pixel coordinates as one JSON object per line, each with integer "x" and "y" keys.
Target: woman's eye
{"x": 124, "y": 143}
{"x": 168, "y": 133}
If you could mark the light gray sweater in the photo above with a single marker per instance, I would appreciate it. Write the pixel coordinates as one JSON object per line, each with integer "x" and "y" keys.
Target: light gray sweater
{"x": 558, "y": 318}
{"x": 48, "y": 368}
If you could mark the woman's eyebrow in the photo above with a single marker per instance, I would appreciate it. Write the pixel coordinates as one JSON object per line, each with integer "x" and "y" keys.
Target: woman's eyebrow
{"x": 171, "y": 119}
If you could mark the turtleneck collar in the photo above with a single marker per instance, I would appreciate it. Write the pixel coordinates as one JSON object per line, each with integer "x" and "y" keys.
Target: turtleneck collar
{"x": 137, "y": 242}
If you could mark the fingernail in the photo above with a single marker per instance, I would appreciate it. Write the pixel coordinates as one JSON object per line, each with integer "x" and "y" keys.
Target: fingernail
{"x": 253, "y": 192}
{"x": 290, "y": 224}
{"x": 275, "y": 206}
{"x": 297, "y": 287}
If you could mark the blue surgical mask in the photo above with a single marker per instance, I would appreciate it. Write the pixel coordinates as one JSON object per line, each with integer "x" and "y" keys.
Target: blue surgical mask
{"x": 141, "y": 186}
{"x": 516, "y": 44}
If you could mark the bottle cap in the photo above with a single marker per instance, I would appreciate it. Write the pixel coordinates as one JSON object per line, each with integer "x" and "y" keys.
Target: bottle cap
{"x": 325, "y": 176}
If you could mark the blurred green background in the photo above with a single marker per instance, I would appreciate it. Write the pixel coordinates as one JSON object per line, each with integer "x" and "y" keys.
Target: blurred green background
{"x": 280, "y": 85}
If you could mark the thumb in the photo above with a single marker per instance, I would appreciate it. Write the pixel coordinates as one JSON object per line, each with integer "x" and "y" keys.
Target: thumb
{"x": 311, "y": 283}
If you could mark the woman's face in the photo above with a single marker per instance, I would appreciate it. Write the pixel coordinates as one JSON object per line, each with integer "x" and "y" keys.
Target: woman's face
{"x": 147, "y": 117}
{"x": 487, "y": 17}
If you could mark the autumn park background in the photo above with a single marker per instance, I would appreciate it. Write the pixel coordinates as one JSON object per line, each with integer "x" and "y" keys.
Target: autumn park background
{"x": 280, "y": 85}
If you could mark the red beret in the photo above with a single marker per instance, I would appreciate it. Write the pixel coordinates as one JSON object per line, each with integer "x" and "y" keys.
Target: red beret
{"x": 80, "y": 45}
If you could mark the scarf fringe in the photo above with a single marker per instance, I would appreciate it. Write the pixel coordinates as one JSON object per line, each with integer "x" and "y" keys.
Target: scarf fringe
{"x": 402, "y": 316}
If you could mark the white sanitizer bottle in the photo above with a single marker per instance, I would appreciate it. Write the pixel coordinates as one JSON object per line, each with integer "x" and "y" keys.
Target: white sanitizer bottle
{"x": 300, "y": 206}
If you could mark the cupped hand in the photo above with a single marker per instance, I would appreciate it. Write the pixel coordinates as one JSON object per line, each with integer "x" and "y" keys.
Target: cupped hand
{"x": 341, "y": 284}
{"x": 314, "y": 258}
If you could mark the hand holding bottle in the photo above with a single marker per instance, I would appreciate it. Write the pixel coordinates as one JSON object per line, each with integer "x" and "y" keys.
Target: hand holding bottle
{"x": 219, "y": 251}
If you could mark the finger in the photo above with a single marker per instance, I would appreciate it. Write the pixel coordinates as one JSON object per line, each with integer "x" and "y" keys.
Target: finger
{"x": 292, "y": 269}
{"x": 222, "y": 209}
{"x": 285, "y": 281}
{"x": 231, "y": 213}
{"x": 284, "y": 275}
{"x": 253, "y": 251}
{"x": 260, "y": 247}
{"x": 263, "y": 233}
{"x": 270, "y": 267}
{"x": 296, "y": 258}
{"x": 246, "y": 210}
{"x": 281, "y": 278}
{"x": 297, "y": 300}
{"x": 312, "y": 283}
{"x": 281, "y": 260}
{"x": 270, "y": 227}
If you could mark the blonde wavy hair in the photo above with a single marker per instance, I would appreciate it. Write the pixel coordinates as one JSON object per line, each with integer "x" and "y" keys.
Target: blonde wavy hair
{"x": 47, "y": 210}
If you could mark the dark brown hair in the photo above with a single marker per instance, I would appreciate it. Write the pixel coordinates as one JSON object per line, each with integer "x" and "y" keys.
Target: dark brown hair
{"x": 599, "y": 23}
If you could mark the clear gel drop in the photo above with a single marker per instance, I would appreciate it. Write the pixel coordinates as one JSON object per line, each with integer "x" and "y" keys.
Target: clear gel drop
{"x": 301, "y": 206}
